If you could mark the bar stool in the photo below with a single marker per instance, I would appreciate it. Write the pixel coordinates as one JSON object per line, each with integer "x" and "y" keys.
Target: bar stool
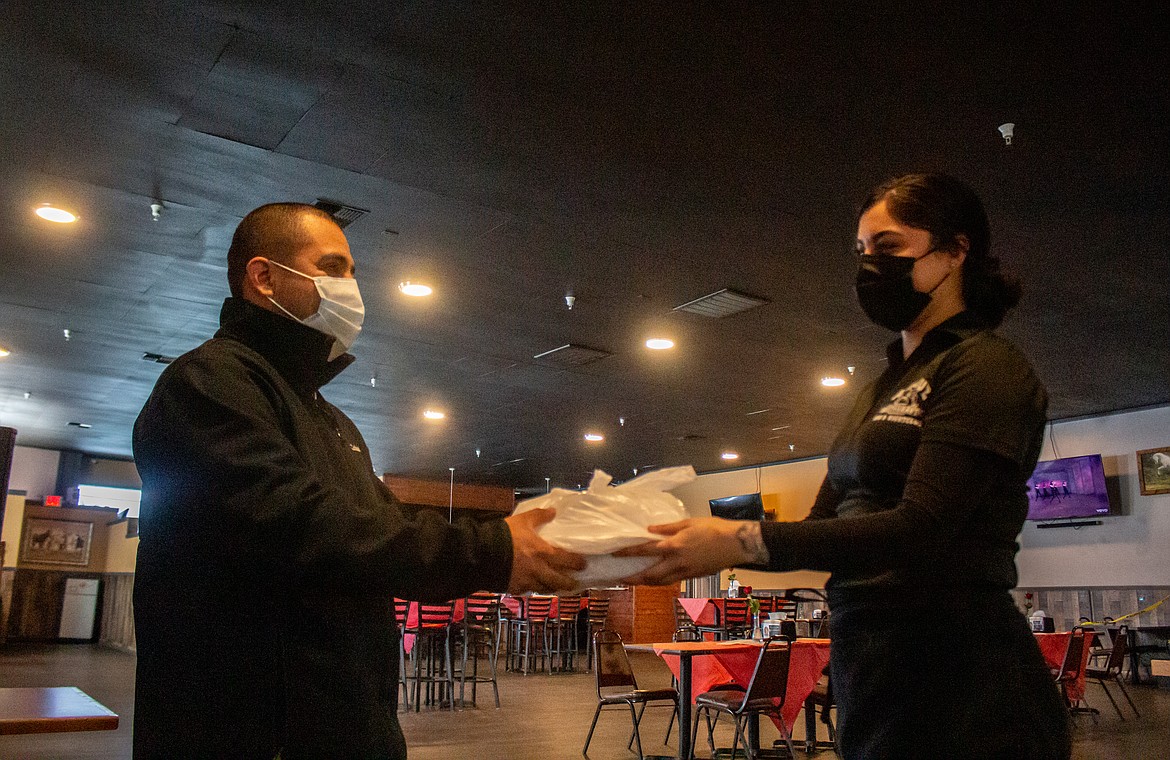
{"x": 481, "y": 619}
{"x": 432, "y": 654}
{"x": 562, "y": 634}
{"x": 598, "y": 616}
{"x": 529, "y": 630}
{"x": 401, "y": 611}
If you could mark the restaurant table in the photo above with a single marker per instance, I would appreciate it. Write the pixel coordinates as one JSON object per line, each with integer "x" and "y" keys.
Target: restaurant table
{"x": 52, "y": 709}
{"x": 1052, "y": 647}
{"x": 1144, "y": 639}
{"x": 734, "y": 661}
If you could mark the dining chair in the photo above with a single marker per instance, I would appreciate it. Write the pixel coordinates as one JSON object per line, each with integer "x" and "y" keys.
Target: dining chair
{"x": 481, "y": 620}
{"x": 734, "y": 622}
{"x": 1070, "y": 671}
{"x": 821, "y": 698}
{"x": 683, "y": 622}
{"x": 764, "y": 696}
{"x": 1113, "y": 668}
{"x": 617, "y": 685}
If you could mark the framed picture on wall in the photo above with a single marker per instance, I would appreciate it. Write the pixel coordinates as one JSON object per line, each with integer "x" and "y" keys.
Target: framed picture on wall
{"x": 1154, "y": 470}
{"x": 59, "y": 542}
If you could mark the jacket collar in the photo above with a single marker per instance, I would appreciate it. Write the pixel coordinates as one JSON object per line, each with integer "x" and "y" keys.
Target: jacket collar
{"x": 299, "y": 353}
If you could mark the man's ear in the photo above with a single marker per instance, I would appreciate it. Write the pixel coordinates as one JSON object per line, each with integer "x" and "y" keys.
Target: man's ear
{"x": 258, "y": 276}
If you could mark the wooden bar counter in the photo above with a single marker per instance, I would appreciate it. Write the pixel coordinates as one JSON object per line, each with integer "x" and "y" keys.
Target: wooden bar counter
{"x": 641, "y": 614}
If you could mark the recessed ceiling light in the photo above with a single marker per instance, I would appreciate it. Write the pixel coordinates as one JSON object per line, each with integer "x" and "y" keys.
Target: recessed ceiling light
{"x": 594, "y": 437}
{"x": 832, "y": 382}
{"x": 659, "y": 344}
{"x": 416, "y": 289}
{"x": 51, "y": 213}
{"x": 729, "y": 455}
{"x": 434, "y": 414}
{"x": 4, "y": 351}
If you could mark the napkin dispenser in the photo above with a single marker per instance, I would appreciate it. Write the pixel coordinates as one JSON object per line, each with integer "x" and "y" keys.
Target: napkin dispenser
{"x": 1041, "y": 623}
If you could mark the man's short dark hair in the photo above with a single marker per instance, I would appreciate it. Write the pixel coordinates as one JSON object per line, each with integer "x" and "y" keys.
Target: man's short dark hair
{"x": 273, "y": 231}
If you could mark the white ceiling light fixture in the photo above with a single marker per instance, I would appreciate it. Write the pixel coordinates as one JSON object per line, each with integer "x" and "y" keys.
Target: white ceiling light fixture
{"x": 594, "y": 437}
{"x": 51, "y": 213}
{"x": 832, "y": 382}
{"x": 729, "y": 455}
{"x": 415, "y": 289}
{"x": 434, "y": 414}
{"x": 1007, "y": 131}
{"x": 659, "y": 344}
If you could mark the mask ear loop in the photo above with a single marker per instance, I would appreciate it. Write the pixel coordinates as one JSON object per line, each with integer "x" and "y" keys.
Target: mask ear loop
{"x": 274, "y": 301}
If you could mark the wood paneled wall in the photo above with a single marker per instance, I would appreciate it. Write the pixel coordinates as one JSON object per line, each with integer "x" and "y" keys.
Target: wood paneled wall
{"x": 117, "y": 627}
{"x": 438, "y": 494}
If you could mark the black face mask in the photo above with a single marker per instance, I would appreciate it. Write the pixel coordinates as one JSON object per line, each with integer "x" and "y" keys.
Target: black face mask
{"x": 885, "y": 289}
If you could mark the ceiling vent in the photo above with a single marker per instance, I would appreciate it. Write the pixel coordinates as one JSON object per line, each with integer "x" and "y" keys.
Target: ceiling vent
{"x": 342, "y": 214}
{"x": 572, "y": 355}
{"x": 721, "y": 303}
{"x": 158, "y": 358}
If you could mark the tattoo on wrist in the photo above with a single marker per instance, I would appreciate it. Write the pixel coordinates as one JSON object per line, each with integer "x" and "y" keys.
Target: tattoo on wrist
{"x": 752, "y": 541}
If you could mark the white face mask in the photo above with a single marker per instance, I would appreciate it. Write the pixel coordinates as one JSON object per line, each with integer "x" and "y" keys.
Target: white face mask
{"x": 341, "y": 311}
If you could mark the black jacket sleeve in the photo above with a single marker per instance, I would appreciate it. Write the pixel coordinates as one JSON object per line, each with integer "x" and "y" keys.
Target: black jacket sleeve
{"x": 236, "y": 475}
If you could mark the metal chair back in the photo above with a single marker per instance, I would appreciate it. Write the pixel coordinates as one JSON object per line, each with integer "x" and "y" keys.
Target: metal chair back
{"x": 613, "y": 668}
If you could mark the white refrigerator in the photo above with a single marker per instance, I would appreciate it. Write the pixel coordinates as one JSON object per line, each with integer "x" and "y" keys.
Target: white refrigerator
{"x": 79, "y": 609}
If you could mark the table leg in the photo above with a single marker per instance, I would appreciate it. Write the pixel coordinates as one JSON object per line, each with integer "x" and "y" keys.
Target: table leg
{"x": 684, "y": 705}
{"x": 810, "y": 726}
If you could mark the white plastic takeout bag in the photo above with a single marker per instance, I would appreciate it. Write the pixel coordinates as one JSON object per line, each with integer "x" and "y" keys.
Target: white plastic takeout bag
{"x": 604, "y": 518}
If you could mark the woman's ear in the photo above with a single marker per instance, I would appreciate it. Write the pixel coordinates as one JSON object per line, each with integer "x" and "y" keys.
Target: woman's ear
{"x": 958, "y": 250}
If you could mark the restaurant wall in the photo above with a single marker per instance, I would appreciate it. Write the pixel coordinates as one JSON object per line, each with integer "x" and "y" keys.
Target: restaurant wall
{"x": 788, "y": 488}
{"x": 34, "y": 471}
{"x": 1128, "y": 549}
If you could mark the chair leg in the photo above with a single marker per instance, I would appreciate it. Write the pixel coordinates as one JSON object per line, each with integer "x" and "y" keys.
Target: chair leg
{"x": 593, "y": 725}
{"x": 735, "y": 741}
{"x": 1112, "y": 701}
{"x": 637, "y": 735}
{"x": 638, "y": 720}
{"x": 670, "y": 725}
{"x": 1121, "y": 686}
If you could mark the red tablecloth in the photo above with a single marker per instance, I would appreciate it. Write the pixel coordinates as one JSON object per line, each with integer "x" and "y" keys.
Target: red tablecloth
{"x": 1053, "y": 646}
{"x": 701, "y": 610}
{"x": 734, "y": 661}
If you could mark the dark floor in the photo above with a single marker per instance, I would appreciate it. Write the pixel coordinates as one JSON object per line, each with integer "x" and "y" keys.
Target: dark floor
{"x": 542, "y": 716}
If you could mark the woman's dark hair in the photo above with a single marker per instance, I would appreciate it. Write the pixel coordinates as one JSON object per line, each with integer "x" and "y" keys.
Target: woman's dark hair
{"x": 947, "y": 209}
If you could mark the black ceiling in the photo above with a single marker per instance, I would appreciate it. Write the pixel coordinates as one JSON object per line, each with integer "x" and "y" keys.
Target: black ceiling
{"x": 635, "y": 155}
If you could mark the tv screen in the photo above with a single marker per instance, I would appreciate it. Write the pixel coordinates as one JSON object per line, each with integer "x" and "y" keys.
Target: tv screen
{"x": 748, "y": 506}
{"x": 1068, "y": 488}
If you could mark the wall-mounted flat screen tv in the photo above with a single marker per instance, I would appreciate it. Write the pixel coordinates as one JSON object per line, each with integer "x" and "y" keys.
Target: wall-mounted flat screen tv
{"x": 748, "y": 506}
{"x": 1068, "y": 488}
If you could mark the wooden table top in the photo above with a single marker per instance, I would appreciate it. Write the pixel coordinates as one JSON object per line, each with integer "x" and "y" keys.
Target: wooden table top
{"x": 52, "y": 709}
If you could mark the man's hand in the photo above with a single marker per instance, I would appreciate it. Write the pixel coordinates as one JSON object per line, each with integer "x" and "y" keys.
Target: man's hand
{"x": 537, "y": 565}
{"x": 696, "y": 547}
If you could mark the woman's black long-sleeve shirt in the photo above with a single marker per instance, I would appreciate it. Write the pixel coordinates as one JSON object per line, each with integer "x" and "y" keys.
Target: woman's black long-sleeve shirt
{"x": 926, "y": 481}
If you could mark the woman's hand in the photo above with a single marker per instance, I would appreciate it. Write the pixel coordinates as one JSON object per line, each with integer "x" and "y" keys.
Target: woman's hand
{"x": 697, "y": 546}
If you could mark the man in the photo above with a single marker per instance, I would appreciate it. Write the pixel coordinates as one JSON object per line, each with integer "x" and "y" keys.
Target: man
{"x": 270, "y": 551}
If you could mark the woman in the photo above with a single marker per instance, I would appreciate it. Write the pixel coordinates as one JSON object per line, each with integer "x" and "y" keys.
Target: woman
{"x": 924, "y": 497}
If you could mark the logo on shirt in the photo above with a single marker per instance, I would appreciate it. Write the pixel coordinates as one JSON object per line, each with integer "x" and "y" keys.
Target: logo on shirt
{"x": 905, "y": 406}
